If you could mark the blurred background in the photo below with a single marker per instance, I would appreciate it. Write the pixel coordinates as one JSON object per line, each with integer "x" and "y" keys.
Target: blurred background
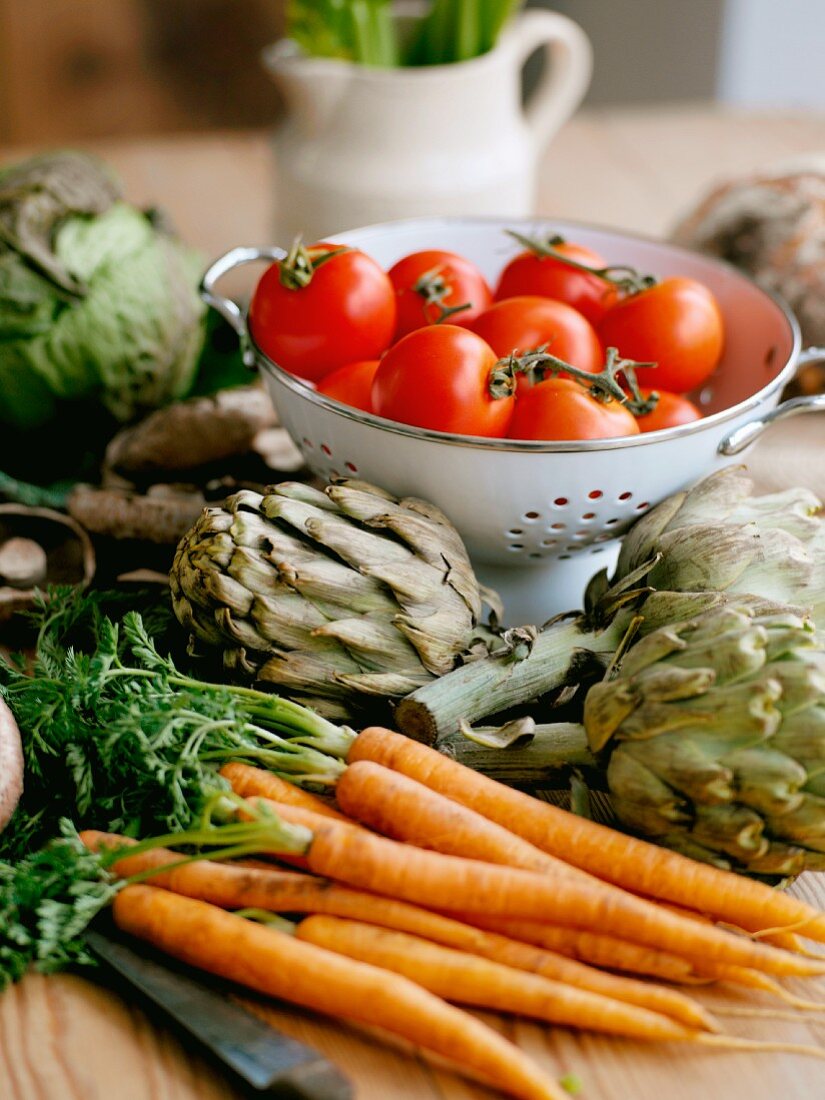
{"x": 108, "y": 68}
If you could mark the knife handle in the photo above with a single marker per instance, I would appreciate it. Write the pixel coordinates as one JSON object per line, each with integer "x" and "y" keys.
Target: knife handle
{"x": 266, "y": 1061}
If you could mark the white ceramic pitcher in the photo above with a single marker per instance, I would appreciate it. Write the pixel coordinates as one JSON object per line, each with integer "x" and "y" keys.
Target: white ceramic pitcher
{"x": 362, "y": 145}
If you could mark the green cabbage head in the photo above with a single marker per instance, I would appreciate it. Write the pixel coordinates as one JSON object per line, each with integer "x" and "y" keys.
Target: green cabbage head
{"x": 97, "y": 301}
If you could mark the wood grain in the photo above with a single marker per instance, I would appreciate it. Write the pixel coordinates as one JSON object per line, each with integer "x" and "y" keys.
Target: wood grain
{"x": 63, "y": 1038}
{"x": 73, "y": 70}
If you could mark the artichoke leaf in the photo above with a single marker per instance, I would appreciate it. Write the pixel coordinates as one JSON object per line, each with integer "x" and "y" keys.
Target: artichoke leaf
{"x": 749, "y": 708}
{"x": 383, "y": 684}
{"x": 804, "y": 825}
{"x": 682, "y": 764}
{"x": 641, "y": 799}
{"x": 766, "y": 779}
{"x": 733, "y": 829}
{"x": 374, "y": 643}
{"x": 335, "y": 584}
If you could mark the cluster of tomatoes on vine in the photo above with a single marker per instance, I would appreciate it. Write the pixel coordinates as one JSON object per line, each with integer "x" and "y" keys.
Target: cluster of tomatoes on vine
{"x": 565, "y": 348}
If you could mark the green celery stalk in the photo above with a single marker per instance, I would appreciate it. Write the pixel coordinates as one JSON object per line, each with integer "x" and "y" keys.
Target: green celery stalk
{"x": 373, "y": 33}
{"x": 467, "y": 43}
{"x": 495, "y": 13}
{"x": 364, "y": 31}
{"x": 353, "y": 30}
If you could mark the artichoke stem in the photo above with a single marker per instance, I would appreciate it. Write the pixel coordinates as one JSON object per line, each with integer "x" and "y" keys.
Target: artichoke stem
{"x": 493, "y": 684}
{"x": 541, "y": 760}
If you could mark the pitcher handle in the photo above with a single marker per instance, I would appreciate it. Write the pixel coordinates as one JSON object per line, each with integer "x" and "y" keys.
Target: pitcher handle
{"x": 568, "y": 68}
{"x": 745, "y": 434}
{"x": 227, "y": 307}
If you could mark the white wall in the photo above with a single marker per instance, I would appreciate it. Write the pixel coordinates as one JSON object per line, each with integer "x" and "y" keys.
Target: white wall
{"x": 773, "y": 53}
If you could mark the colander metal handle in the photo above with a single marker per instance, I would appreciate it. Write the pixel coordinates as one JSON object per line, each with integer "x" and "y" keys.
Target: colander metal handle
{"x": 227, "y": 307}
{"x": 742, "y": 437}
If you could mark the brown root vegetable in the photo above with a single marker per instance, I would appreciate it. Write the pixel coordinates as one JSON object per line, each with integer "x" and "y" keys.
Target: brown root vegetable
{"x": 39, "y": 547}
{"x": 162, "y": 515}
{"x": 771, "y": 224}
{"x": 193, "y": 433}
{"x": 11, "y": 765}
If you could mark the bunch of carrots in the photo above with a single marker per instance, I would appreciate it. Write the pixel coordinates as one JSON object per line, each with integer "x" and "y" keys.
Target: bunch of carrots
{"x": 466, "y": 891}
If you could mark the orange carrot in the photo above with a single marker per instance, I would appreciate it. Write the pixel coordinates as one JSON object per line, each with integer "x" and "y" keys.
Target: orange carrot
{"x": 470, "y": 980}
{"x": 247, "y": 781}
{"x": 350, "y": 854}
{"x": 270, "y": 962}
{"x": 401, "y": 808}
{"x": 297, "y": 815}
{"x": 483, "y": 984}
{"x": 406, "y": 810}
{"x": 634, "y": 864}
{"x": 359, "y": 858}
{"x": 593, "y": 948}
{"x": 226, "y": 885}
{"x": 787, "y": 940}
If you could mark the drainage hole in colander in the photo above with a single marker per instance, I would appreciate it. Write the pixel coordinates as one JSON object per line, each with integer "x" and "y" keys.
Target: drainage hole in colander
{"x": 334, "y": 474}
{"x": 602, "y": 538}
{"x": 595, "y": 494}
{"x": 534, "y": 555}
{"x": 549, "y": 542}
{"x": 641, "y": 507}
{"x": 581, "y": 534}
{"x": 610, "y": 522}
{"x": 515, "y": 531}
{"x": 625, "y": 496}
{"x": 353, "y": 469}
{"x": 326, "y": 450}
{"x": 516, "y": 546}
{"x": 531, "y": 517}
{"x": 573, "y": 548}
{"x": 307, "y": 443}
{"x": 558, "y": 526}
{"x": 564, "y": 557}
{"x": 597, "y": 549}
{"x": 561, "y": 502}
{"x": 589, "y": 515}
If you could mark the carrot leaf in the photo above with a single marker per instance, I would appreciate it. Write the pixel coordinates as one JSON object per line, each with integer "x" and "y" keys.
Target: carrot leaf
{"x": 116, "y": 737}
{"x": 47, "y": 900}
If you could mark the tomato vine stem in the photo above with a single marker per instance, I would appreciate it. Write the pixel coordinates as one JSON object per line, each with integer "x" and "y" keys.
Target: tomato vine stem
{"x": 604, "y": 385}
{"x": 627, "y": 280}
{"x": 301, "y": 263}
{"x": 434, "y": 288}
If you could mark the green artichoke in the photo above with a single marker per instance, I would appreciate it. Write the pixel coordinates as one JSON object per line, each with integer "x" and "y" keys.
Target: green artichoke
{"x": 698, "y": 549}
{"x": 718, "y": 537}
{"x": 97, "y": 301}
{"x": 333, "y": 596}
{"x": 715, "y": 730}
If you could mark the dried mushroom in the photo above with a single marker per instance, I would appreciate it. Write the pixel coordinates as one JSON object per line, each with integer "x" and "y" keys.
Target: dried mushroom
{"x": 162, "y": 515}
{"x": 11, "y": 765}
{"x": 192, "y": 433}
{"x": 771, "y": 224}
{"x": 39, "y": 547}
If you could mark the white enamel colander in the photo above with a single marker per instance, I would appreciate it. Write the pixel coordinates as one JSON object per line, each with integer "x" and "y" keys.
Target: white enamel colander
{"x": 540, "y": 518}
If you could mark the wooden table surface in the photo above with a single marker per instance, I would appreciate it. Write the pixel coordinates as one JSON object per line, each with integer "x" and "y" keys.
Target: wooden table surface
{"x": 63, "y": 1037}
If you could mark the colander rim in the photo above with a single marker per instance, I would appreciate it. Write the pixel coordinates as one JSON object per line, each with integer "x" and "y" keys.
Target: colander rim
{"x": 300, "y": 388}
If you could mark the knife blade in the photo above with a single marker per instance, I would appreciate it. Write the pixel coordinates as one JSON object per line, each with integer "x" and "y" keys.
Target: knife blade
{"x": 266, "y": 1061}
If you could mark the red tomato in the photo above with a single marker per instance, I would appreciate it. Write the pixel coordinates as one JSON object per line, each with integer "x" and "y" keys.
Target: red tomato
{"x": 439, "y": 377}
{"x": 671, "y": 410}
{"x": 525, "y": 323}
{"x": 428, "y": 283}
{"x": 352, "y": 384}
{"x": 345, "y": 312}
{"x": 676, "y": 324}
{"x": 560, "y": 408}
{"x": 532, "y": 273}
